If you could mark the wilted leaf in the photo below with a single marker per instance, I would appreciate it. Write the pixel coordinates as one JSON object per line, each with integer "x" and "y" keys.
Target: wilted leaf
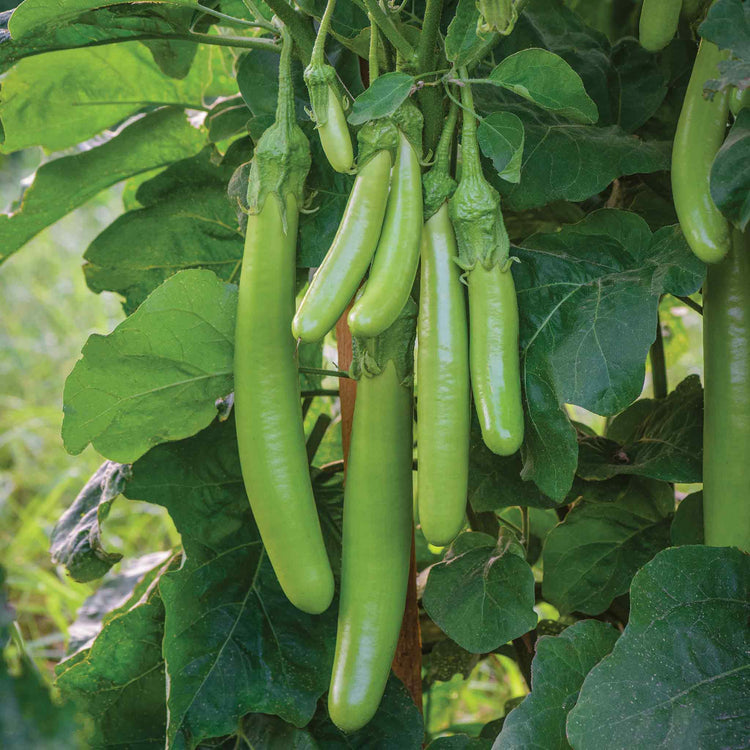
{"x": 76, "y": 539}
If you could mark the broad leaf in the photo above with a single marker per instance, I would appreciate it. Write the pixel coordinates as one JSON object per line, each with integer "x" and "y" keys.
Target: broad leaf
{"x": 62, "y": 185}
{"x": 730, "y": 173}
{"x": 679, "y": 675}
{"x": 567, "y": 161}
{"x": 501, "y": 139}
{"x": 76, "y": 539}
{"x": 227, "y": 620}
{"x": 727, "y": 25}
{"x": 382, "y": 98}
{"x": 495, "y": 481}
{"x": 58, "y": 99}
{"x": 460, "y": 742}
{"x": 591, "y": 557}
{"x": 587, "y": 297}
{"x": 482, "y": 594}
{"x": 560, "y": 665}
{"x": 157, "y": 376}
{"x": 548, "y": 81}
{"x": 115, "y": 592}
{"x": 185, "y": 222}
{"x": 687, "y": 526}
{"x": 121, "y": 676}
{"x": 462, "y": 41}
{"x": 657, "y": 439}
{"x": 397, "y": 725}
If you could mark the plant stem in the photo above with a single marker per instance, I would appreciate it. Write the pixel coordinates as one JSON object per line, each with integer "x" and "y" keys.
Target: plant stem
{"x": 373, "y": 63}
{"x": 331, "y": 392}
{"x": 299, "y": 28}
{"x": 469, "y": 146}
{"x": 443, "y": 152}
{"x": 240, "y": 42}
{"x": 429, "y": 97}
{"x": 692, "y": 304}
{"x": 324, "y": 372}
{"x": 525, "y": 525}
{"x": 658, "y": 364}
{"x": 233, "y": 19}
{"x": 319, "y": 48}
{"x": 391, "y": 33}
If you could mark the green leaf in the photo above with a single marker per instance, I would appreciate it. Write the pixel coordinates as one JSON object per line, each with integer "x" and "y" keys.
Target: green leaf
{"x": 728, "y": 27}
{"x": 76, "y": 539}
{"x": 587, "y": 299}
{"x": 462, "y": 41}
{"x": 501, "y": 139}
{"x": 58, "y": 99}
{"x": 134, "y": 578}
{"x": 447, "y": 659}
{"x": 661, "y": 439}
{"x": 495, "y": 481}
{"x": 560, "y": 665}
{"x": 639, "y": 86}
{"x": 185, "y": 221}
{"x": 730, "y": 173}
{"x": 397, "y": 725}
{"x": 687, "y": 526}
{"x": 460, "y": 742}
{"x": 227, "y": 620}
{"x": 482, "y": 594}
{"x": 679, "y": 675}
{"x": 384, "y": 96}
{"x": 258, "y": 82}
{"x": 591, "y": 557}
{"x": 545, "y": 79}
{"x": 564, "y": 161}
{"x": 121, "y": 677}
{"x": 157, "y": 376}
{"x": 64, "y": 184}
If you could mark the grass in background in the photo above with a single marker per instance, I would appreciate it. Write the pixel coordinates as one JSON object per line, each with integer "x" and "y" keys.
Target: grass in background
{"x": 46, "y": 315}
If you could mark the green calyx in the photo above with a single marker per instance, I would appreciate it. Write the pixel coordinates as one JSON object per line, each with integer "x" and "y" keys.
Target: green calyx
{"x": 370, "y": 356}
{"x": 438, "y": 184}
{"x": 497, "y": 15}
{"x": 321, "y": 83}
{"x": 478, "y": 222}
{"x": 438, "y": 187}
{"x": 410, "y": 121}
{"x": 281, "y": 159}
{"x": 376, "y": 136}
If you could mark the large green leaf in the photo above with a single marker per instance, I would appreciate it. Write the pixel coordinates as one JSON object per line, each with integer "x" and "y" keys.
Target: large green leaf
{"x": 185, "y": 221}
{"x": 591, "y": 557}
{"x": 382, "y": 98}
{"x": 568, "y": 161}
{"x": 679, "y": 676}
{"x": 588, "y": 296}
{"x": 158, "y": 375}
{"x": 661, "y": 439}
{"x": 727, "y": 26}
{"x": 58, "y": 99}
{"x": 501, "y": 139}
{"x": 730, "y": 173}
{"x": 62, "y": 185}
{"x": 397, "y": 725}
{"x": 548, "y": 81}
{"x": 495, "y": 481}
{"x": 482, "y": 594}
{"x": 76, "y": 539}
{"x": 227, "y": 620}
{"x": 560, "y": 665}
{"x": 462, "y": 40}
{"x": 119, "y": 681}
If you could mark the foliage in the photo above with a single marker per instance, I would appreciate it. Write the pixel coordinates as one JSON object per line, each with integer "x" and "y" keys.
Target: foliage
{"x": 189, "y": 639}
